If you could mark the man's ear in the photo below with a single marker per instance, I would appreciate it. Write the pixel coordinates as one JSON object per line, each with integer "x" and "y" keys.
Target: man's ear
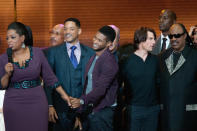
{"x": 79, "y": 31}
{"x": 110, "y": 45}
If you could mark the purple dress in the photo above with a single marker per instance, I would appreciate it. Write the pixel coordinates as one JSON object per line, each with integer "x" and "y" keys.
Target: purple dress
{"x": 27, "y": 109}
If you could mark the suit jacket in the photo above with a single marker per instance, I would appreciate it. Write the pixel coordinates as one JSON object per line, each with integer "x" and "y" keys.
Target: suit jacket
{"x": 178, "y": 91}
{"x": 104, "y": 82}
{"x": 58, "y": 59}
{"x": 157, "y": 49}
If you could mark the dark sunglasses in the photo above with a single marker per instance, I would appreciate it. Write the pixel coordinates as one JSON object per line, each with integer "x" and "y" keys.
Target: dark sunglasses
{"x": 175, "y": 35}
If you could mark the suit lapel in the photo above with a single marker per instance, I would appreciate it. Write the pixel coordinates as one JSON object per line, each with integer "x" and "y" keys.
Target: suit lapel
{"x": 89, "y": 65}
{"x": 86, "y": 71}
{"x": 63, "y": 58}
{"x": 180, "y": 63}
{"x": 157, "y": 47}
{"x": 168, "y": 46}
{"x": 84, "y": 55}
{"x": 169, "y": 64}
{"x": 83, "y": 60}
{"x": 159, "y": 44}
{"x": 66, "y": 52}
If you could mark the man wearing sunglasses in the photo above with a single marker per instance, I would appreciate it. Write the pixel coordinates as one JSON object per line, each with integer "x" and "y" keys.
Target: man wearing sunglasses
{"x": 178, "y": 83}
{"x": 166, "y": 19}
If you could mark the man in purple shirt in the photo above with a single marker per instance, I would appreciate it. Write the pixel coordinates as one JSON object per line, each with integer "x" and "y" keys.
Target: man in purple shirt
{"x": 100, "y": 84}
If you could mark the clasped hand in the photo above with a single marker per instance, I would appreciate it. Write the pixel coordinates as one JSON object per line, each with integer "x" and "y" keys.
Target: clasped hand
{"x": 75, "y": 102}
{"x": 72, "y": 102}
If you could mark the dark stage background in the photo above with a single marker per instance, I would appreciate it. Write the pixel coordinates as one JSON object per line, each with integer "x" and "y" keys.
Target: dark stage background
{"x": 128, "y": 15}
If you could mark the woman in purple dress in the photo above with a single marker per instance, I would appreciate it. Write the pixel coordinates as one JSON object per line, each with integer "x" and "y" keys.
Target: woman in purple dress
{"x": 25, "y": 104}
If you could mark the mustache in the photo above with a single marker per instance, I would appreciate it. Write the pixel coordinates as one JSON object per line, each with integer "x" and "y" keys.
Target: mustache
{"x": 172, "y": 41}
{"x": 66, "y": 35}
{"x": 52, "y": 39}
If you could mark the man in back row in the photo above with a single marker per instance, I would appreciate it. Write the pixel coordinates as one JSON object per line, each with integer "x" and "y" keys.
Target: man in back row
{"x": 57, "y": 35}
{"x": 166, "y": 19}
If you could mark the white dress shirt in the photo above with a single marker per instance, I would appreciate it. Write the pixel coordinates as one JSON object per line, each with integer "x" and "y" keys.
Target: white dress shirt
{"x": 77, "y": 51}
{"x": 167, "y": 41}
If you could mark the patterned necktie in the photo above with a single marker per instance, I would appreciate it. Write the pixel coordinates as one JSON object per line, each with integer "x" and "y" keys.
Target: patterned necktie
{"x": 163, "y": 48}
{"x": 73, "y": 58}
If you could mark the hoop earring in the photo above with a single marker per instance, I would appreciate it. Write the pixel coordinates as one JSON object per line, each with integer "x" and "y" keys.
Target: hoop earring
{"x": 23, "y": 45}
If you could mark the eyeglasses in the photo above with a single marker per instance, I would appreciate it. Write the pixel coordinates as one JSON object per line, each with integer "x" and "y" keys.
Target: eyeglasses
{"x": 175, "y": 35}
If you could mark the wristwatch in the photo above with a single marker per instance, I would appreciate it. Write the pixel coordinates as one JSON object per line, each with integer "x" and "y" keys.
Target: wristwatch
{"x": 81, "y": 101}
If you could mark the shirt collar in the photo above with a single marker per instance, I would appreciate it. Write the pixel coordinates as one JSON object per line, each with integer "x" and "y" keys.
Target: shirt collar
{"x": 68, "y": 45}
{"x": 162, "y": 36}
{"x": 167, "y": 41}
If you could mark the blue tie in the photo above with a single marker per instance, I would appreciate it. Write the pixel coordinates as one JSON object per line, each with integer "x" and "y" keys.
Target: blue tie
{"x": 73, "y": 57}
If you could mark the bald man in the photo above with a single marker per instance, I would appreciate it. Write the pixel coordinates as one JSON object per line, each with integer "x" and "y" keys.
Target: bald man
{"x": 56, "y": 38}
{"x": 57, "y": 35}
{"x": 178, "y": 89}
{"x": 166, "y": 19}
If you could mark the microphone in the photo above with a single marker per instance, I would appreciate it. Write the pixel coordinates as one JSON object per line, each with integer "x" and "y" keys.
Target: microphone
{"x": 9, "y": 53}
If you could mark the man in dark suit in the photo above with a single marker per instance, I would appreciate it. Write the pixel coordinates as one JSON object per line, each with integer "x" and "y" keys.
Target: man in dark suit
{"x": 100, "y": 84}
{"x": 166, "y": 19}
{"x": 178, "y": 83}
{"x": 68, "y": 62}
{"x": 56, "y": 36}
